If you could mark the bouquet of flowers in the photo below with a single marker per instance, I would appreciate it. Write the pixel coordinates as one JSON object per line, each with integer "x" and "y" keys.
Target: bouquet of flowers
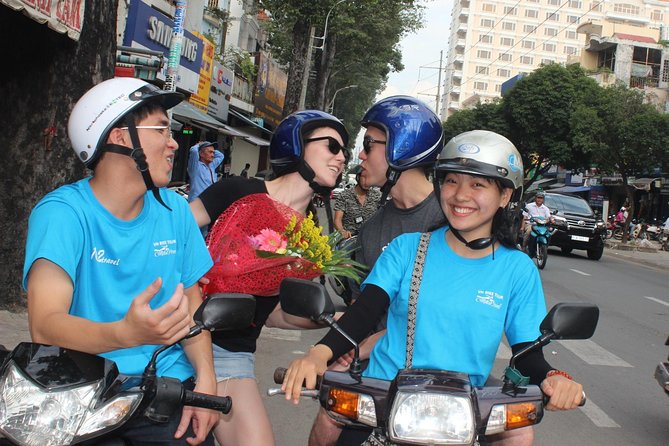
{"x": 257, "y": 242}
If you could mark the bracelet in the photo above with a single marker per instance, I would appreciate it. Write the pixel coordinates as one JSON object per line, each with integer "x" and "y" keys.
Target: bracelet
{"x": 559, "y": 372}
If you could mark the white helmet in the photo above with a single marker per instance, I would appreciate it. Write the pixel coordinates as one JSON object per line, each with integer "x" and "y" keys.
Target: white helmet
{"x": 104, "y": 106}
{"x": 483, "y": 153}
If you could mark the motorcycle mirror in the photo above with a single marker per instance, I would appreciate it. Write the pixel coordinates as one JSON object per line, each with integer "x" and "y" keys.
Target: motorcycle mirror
{"x": 304, "y": 298}
{"x": 571, "y": 321}
{"x": 226, "y": 311}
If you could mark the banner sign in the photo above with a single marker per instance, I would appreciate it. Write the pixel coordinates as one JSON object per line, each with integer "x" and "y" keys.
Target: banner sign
{"x": 149, "y": 29}
{"x": 270, "y": 90}
{"x": 221, "y": 89}
{"x": 200, "y": 99}
{"x": 63, "y": 16}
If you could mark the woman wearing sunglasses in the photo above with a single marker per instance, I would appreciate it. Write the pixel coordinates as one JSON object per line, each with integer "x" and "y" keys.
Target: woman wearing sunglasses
{"x": 307, "y": 154}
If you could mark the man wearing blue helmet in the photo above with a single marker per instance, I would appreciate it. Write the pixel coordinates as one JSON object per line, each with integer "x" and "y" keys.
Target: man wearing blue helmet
{"x": 402, "y": 140}
{"x": 307, "y": 153}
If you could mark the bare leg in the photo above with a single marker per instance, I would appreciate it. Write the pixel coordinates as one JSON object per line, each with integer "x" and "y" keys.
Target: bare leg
{"x": 247, "y": 423}
{"x": 325, "y": 431}
{"x": 516, "y": 437}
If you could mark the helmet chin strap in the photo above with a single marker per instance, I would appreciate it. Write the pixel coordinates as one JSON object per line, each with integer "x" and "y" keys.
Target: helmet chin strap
{"x": 392, "y": 176}
{"x": 137, "y": 154}
{"x": 308, "y": 174}
{"x": 476, "y": 244}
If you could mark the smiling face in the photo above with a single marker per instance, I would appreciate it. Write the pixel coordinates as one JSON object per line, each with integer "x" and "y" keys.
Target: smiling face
{"x": 374, "y": 164}
{"x": 470, "y": 203}
{"x": 159, "y": 147}
{"x": 327, "y": 166}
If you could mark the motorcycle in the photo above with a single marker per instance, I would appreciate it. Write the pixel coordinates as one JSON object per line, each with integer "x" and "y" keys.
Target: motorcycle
{"x": 664, "y": 239}
{"x": 429, "y": 407}
{"x": 540, "y": 235}
{"x": 662, "y": 373}
{"x": 56, "y": 396}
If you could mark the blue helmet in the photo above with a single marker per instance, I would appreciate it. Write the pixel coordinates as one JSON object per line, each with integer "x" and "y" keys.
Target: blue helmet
{"x": 414, "y": 134}
{"x": 286, "y": 148}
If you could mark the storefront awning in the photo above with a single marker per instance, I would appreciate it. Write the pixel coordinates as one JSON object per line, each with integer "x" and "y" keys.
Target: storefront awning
{"x": 571, "y": 189}
{"x": 257, "y": 141}
{"x": 238, "y": 115}
{"x": 186, "y": 111}
{"x": 643, "y": 183}
{"x": 63, "y": 18}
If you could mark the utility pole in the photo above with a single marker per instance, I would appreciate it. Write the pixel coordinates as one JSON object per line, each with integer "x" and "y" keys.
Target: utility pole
{"x": 436, "y": 107}
{"x": 307, "y": 69}
{"x": 175, "y": 49}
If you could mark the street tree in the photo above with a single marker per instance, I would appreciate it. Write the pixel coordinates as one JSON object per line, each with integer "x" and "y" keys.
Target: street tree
{"x": 539, "y": 109}
{"x": 45, "y": 73}
{"x": 623, "y": 134}
{"x": 484, "y": 116}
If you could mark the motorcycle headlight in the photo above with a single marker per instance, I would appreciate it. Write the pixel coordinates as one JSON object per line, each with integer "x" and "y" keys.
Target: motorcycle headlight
{"x": 34, "y": 416}
{"x": 559, "y": 221}
{"x": 600, "y": 225}
{"x": 431, "y": 418}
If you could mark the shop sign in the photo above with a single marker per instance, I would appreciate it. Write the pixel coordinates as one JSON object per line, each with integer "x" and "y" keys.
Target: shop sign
{"x": 270, "y": 90}
{"x": 149, "y": 29}
{"x": 63, "y": 16}
{"x": 220, "y": 91}
{"x": 200, "y": 99}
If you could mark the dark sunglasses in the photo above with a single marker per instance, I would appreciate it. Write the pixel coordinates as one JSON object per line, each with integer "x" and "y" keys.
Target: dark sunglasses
{"x": 333, "y": 144}
{"x": 367, "y": 143}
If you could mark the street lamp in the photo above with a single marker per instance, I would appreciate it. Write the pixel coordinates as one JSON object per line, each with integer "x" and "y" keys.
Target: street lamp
{"x": 334, "y": 96}
{"x": 325, "y": 29}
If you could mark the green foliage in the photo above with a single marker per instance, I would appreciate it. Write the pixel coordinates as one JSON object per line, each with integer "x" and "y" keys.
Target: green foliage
{"x": 484, "y": 116}
{"x": 240, "y": 61}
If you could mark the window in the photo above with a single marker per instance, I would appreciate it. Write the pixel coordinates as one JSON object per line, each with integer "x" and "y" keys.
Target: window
{"x": 554, "y": 2}
{"x": 498, "y": 88}
{"x": 575, "y": 4}
{"x": 573, "y": 19}
{"x": 665, "y": 71}
{"x": 531, "y": 13}
{"x": 528, "y": 44}
{"x": 550, "y": 47}
{"x": 483, "y": 54}
{"x": 508, "y": 26}
{"x": 529, "y": 29}
{"x": 486, "y": 38}
{"x": 552, "y": 16}
{"x": 626, "y": 8}
{"x": 657, "y": 15}
{"x": 506, "y": 41}
{"x": 480, "y": 86}
{"x": 510, "y": 10}
{"x": 480, "y": 69}
{"x": 570, "y": 34}
{"x": 547, "y": 61}
{"x": 550, "y": 32}
{"x": 488, "y": 7}
{"x": 506, "y": 57}
{"x": 570, "y": 49}
{"x": 527, "y": 60}
{"x": 596, "y": 6}
{"x": 487, "y": 23}
{"x": 503, "y": 72}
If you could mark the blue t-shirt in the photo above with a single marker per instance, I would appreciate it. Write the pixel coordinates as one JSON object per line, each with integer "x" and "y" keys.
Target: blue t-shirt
{"x": 464, "y": 307}
{"x": 110, "y": 261}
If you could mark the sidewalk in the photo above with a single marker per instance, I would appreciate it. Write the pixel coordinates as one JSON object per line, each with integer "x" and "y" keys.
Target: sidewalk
{"x": 14, "y": 326}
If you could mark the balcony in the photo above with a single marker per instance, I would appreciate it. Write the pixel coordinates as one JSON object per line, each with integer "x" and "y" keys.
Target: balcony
{"x": 464, "y": 14}
{"x": 460, "y": 44}
{"x": 242, "y": 93}
{"x": 644, "y": 82}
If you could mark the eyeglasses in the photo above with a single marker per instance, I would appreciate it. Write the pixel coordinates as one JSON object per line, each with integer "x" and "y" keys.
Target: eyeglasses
{"x": 164, "y": 130}
{"x": 367, "y": 143}
{"x": 333, "y": 144}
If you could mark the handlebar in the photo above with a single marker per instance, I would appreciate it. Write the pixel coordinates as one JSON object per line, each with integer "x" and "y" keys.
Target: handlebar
{"x": 221, "y": 403}
{"x": 581, "y": 404}
{"x": 280, "y": 375}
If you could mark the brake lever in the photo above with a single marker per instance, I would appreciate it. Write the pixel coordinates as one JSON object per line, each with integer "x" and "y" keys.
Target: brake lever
{"x": 311, "y": 393}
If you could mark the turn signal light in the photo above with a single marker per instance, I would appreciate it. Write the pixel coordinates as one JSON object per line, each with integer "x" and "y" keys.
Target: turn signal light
{"x": 343, "y": 402}
{"x": 522, "y": 414}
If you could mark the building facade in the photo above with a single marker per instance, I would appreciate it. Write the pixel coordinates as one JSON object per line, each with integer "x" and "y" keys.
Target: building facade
{"x": 493, "y": 41}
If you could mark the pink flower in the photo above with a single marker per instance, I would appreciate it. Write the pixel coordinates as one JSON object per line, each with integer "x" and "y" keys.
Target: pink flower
{"x": 269, "y": 240}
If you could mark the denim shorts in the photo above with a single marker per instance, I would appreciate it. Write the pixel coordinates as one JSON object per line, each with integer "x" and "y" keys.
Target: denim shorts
{"x": 229, "y": 364}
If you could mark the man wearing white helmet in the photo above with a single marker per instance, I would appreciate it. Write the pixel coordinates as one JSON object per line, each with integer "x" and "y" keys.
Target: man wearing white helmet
{"x": 112, "y": 261}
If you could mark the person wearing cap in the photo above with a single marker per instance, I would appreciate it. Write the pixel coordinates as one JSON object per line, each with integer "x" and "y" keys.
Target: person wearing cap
{"x": 203, "y": 160}
{"x": 112, "y": 261}
{"x": 478, "y": 177}
{"x": 534, "y": 210}
{"x": 307, "y": 155}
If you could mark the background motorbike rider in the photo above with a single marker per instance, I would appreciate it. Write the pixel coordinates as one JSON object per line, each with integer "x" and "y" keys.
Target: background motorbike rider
{"x": 112, "y": 261}
{"x": 475, "y": 188}
{"x": 534, "y": 210}
{"x": 307, "y": 156}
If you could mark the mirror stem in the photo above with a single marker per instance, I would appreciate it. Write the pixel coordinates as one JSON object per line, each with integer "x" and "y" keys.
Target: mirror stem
{"x": 540, "y": 342}
{"x": 356, "y": 368}
{"x": 150, "y": 370}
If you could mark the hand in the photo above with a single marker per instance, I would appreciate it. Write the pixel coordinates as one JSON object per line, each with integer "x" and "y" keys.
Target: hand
{"x": 165, "y": 325}
{"x": 345, "y": 360}
{"x": 203, "y": 420}
{"x": 564, "y": 393}
{"x": 305, "y": 370}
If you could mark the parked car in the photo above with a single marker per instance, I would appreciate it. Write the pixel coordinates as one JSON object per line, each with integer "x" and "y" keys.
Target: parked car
{"x": 578, "y": 227}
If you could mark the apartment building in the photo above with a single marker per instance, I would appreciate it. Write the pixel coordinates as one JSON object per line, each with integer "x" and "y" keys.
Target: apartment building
{"x": 493, "y": 40}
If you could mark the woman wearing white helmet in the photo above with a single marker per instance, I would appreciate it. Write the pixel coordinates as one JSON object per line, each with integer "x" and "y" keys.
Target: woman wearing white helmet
{"x": 475, "y": 286}
{"x": 107, "y": 270}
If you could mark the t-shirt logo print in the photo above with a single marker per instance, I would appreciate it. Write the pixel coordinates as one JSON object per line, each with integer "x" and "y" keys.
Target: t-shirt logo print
{"x": 490, "y": 298}
{"x": 164, "y": 248}
{"x": 99, "y": 256}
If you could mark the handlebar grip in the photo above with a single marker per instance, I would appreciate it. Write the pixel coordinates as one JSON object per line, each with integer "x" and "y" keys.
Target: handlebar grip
{"x": 581, "y": 404}
{"x": 280, "y": 375}
{"x": 221, "y": 403}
